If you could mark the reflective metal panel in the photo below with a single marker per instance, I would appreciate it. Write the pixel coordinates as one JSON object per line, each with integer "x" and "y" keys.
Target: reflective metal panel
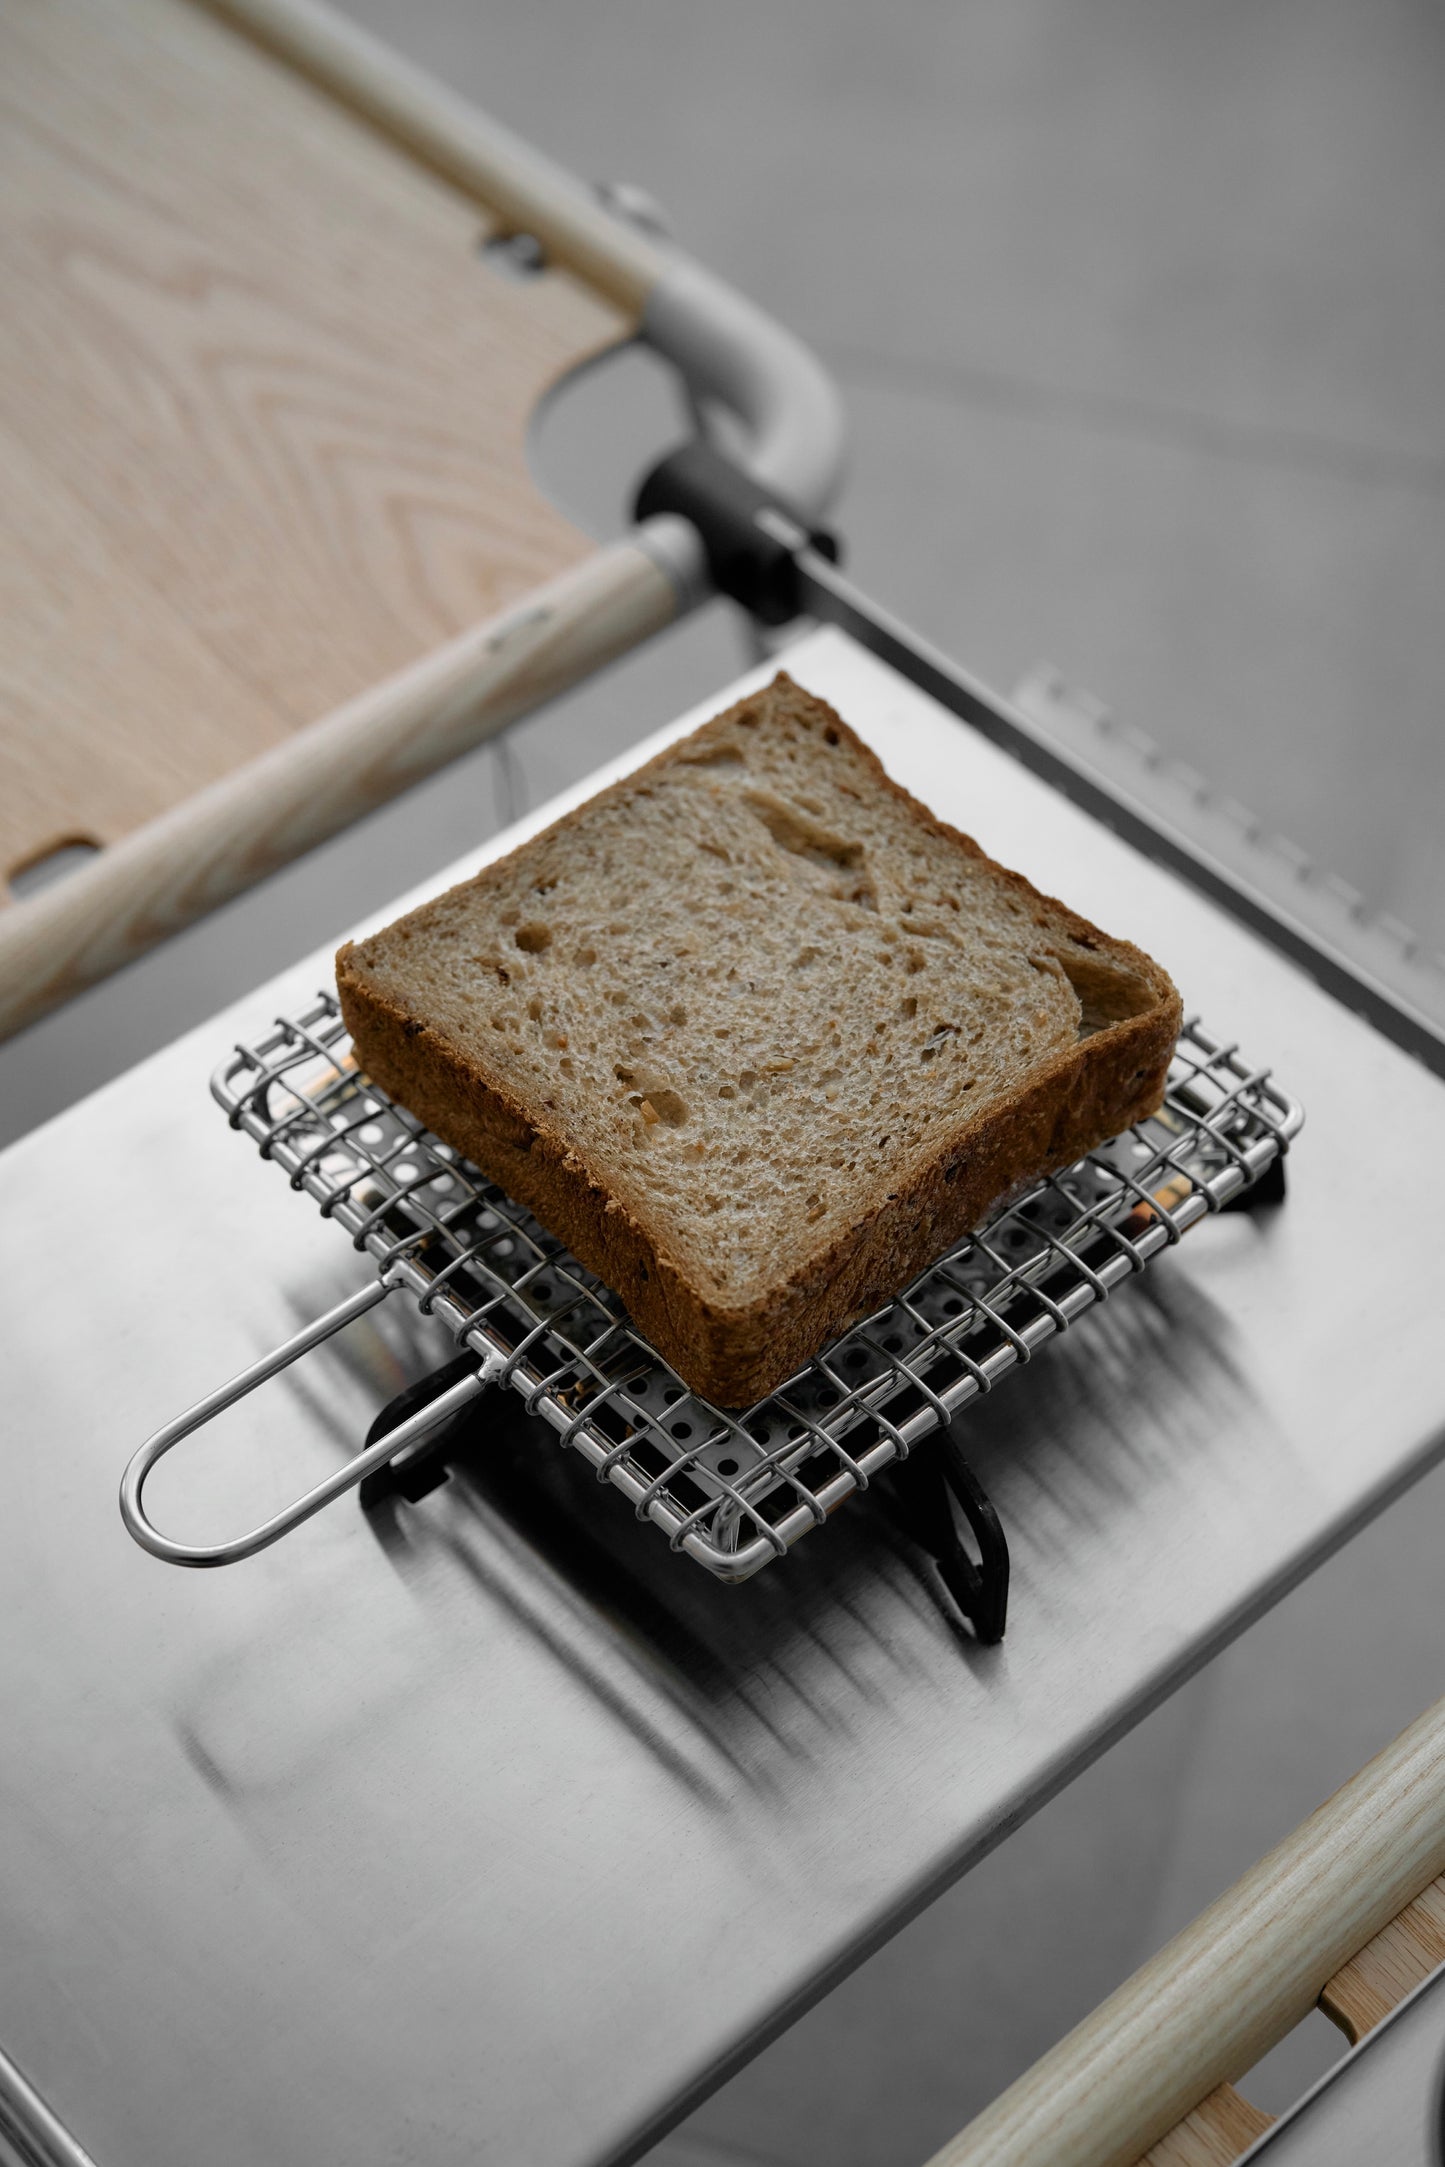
{"x": 485, "y": 1828}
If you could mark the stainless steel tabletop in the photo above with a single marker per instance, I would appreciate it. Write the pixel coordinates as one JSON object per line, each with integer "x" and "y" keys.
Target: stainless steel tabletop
{"x": 489, "y": 1830}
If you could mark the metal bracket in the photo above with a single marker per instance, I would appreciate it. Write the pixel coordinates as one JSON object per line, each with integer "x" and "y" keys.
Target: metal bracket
{"x": 422, "y": 1466}
{"x": 1269, "y": 1188}
{"x": 926, "y": 1491}
{"x": 923, "y": 1492}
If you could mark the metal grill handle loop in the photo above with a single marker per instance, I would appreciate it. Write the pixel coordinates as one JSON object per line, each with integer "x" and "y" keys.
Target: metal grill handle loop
{"x": 732, "y": 1491}
{"x": 155, "y": 1448}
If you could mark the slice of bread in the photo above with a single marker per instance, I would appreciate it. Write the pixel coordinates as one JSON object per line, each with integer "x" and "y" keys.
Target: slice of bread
{"x": 757, "y": 1036}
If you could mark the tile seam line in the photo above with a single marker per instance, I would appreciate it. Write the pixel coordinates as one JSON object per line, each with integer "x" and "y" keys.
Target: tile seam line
{"x": 1253, "y": 443}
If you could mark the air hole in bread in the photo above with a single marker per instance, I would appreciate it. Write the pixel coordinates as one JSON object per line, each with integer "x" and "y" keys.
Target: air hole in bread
{"x": 533, "y": 937}
{"x": 712, "y": 756}
{"x": 793, "y": 830}
{"x": 1108, "y": 992}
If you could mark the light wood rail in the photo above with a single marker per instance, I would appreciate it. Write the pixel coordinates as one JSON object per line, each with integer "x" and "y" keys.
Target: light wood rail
{"x": 1213, "y": 2134}
{"x": 1231, "y": 1984}
{"x": 526, "y": 190}
{"x": 1401, "y": 1956}
{"x": 1361, "y": 1995}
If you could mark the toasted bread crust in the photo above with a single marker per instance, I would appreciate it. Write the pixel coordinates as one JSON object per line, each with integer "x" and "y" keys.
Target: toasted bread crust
{"x": 735, "y": 1354}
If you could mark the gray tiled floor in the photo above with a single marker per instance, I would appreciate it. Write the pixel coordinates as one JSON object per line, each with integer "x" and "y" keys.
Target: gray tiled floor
{"x": 1140, "y": 314}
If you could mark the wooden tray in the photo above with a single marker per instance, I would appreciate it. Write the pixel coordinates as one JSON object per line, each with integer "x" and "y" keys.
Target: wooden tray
{"x": 263, "y": 405}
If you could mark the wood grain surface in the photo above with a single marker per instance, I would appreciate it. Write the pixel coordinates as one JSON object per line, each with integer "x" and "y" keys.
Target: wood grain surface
{"x": 1213, "y": 2134}
{"x": 1360, "y": 1995}
{"x": 1233, "y": 1982}
{"x": 448, "y": 134}
{"x": 223, "y": 838}
{"x": 1391, "y": 1966}
{"x": 262, "y": 412}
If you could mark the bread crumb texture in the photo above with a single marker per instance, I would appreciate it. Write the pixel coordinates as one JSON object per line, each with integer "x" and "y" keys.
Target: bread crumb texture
{"x": 748, "y": 997}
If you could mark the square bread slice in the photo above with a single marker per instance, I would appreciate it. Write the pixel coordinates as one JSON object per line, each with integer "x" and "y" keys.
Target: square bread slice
{"x": 757, "y": 1036}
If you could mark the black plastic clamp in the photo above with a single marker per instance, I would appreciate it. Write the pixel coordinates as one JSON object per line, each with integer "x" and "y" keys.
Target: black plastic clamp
{"x": 749, "y": 560}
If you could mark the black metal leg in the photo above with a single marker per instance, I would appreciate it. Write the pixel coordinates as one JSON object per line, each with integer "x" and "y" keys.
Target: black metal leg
{"x": 927, "y": 1492}
{"x": 1269, "y": 1189}
{"x": 979, "y": 1588}
{"x": 424, "y": 1468}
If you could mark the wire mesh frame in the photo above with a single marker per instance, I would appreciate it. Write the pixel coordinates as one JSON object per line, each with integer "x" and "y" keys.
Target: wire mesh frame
{"x": 736, "y": 1489}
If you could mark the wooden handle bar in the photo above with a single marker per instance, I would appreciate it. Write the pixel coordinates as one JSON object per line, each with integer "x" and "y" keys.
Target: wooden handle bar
{"x": 1240, "y": 1976}
{"x": 249, "y": 824}
{"x": 466, "y": 147}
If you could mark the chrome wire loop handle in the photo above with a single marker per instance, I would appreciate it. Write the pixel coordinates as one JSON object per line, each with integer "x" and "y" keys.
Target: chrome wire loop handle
{"x": 430, "y": 1417}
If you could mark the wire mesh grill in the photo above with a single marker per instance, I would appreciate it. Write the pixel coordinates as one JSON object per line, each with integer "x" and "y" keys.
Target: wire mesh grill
{"x": 736, "y": 1489}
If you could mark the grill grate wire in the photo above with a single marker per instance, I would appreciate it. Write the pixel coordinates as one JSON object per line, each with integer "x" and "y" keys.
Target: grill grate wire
{"x": 735, "y": 1489}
